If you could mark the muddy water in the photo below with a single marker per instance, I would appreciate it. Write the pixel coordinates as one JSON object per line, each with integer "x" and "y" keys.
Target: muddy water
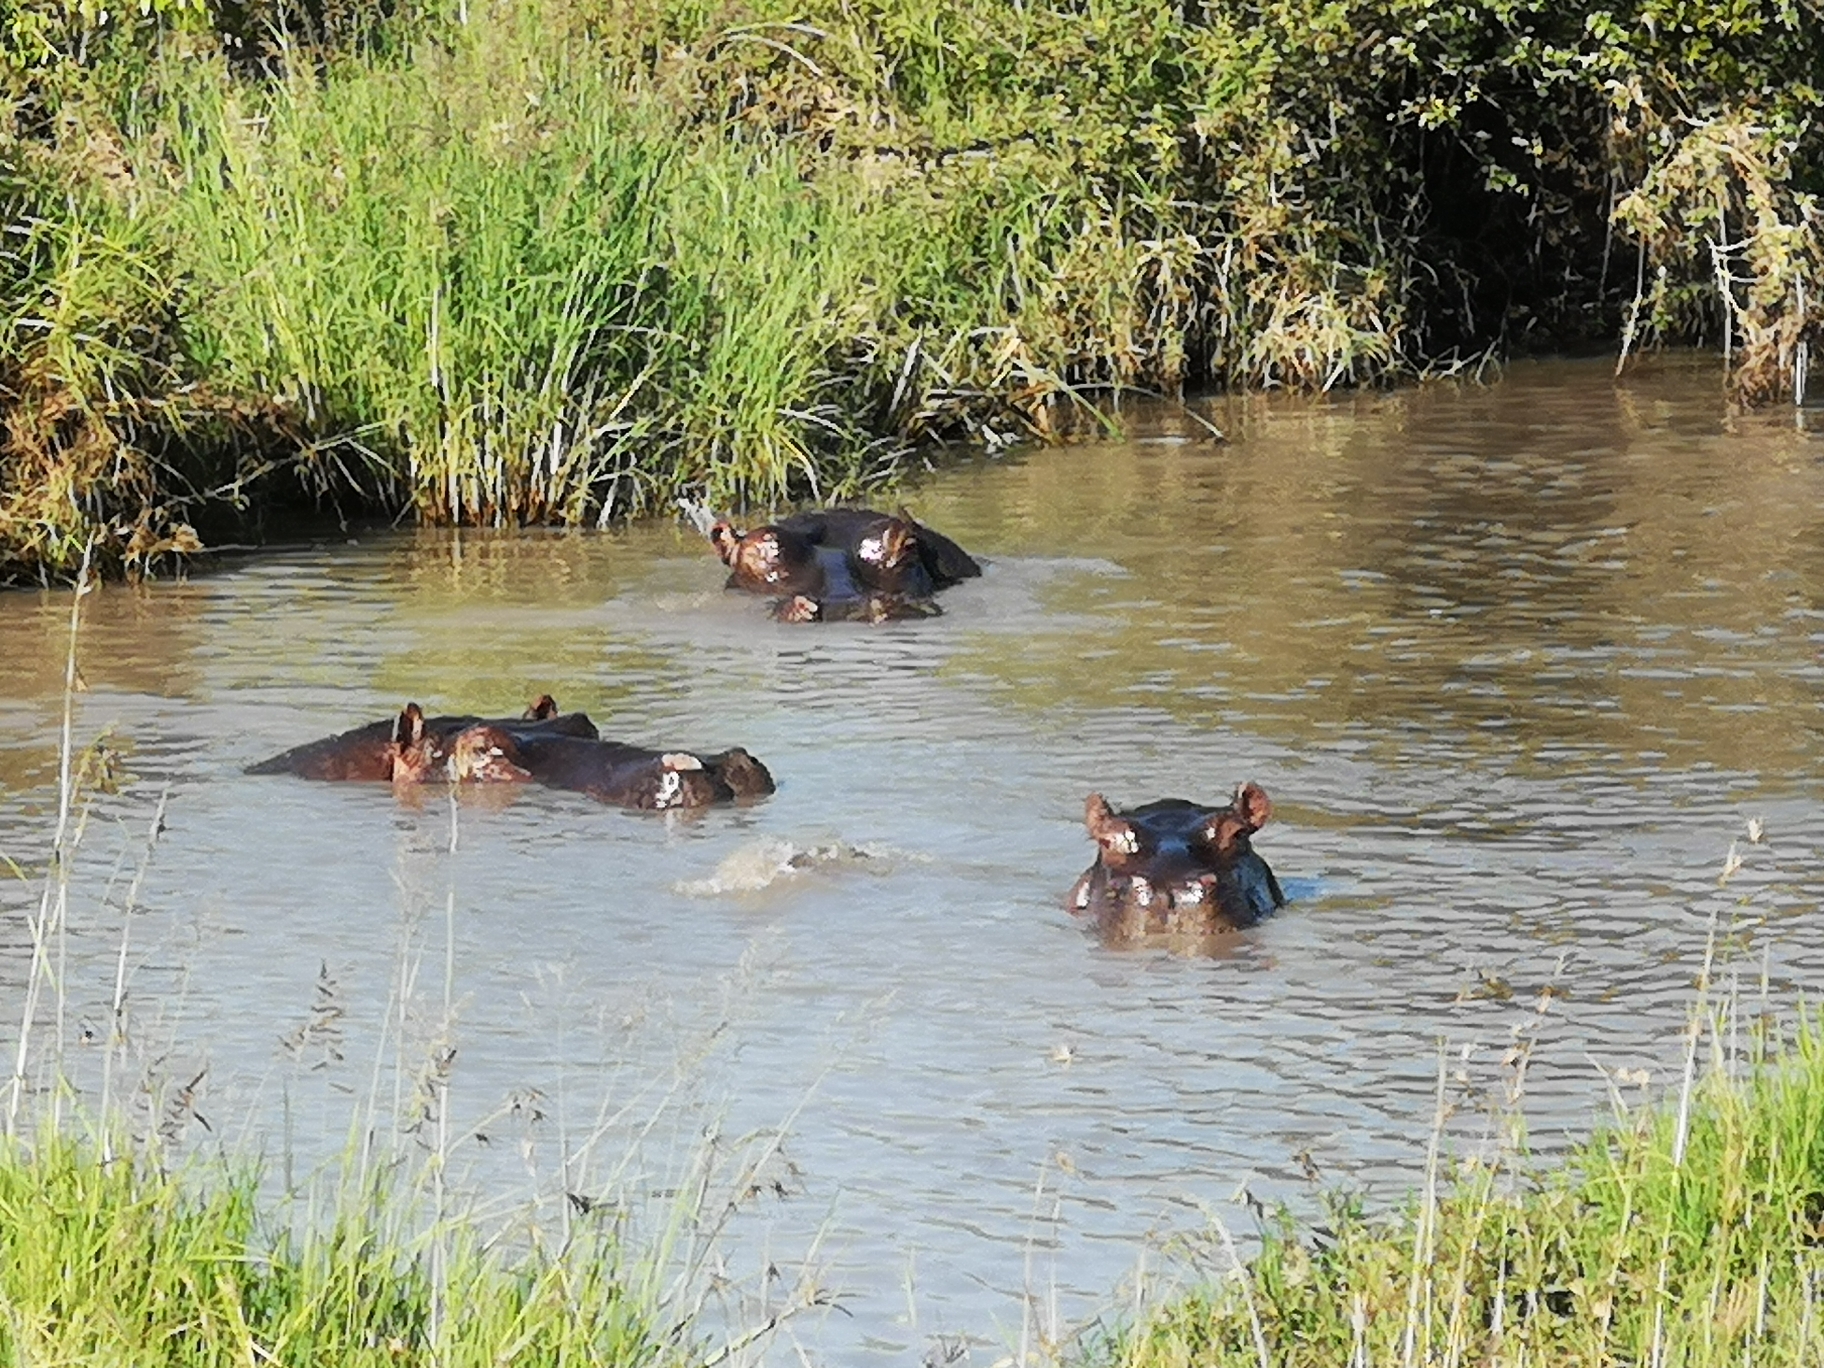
{"x": 1516, "y": 662}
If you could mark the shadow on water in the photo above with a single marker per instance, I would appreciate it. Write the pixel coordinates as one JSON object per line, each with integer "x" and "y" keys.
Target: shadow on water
{"x": 1515, "y": 663}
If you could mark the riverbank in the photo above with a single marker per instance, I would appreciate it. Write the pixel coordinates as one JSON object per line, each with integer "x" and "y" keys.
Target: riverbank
{"x": 563, "y": 260}
{"x": 1688, "y": 1233}
{"x": 109, "y": 1259}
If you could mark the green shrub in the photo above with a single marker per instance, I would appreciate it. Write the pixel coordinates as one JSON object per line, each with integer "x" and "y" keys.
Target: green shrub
{"x": 562, "y": 260}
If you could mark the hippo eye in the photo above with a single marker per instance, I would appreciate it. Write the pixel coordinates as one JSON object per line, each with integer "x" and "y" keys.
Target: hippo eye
{"x": 1123, "y": 842}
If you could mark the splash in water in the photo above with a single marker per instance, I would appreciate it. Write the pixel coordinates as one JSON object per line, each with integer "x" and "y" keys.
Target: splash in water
{"x": 763, "y": 863}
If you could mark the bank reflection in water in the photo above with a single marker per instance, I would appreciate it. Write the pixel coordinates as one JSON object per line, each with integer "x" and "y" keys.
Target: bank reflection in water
{"x": 1514, "y": 663}
{"x": 1551, "y": 568}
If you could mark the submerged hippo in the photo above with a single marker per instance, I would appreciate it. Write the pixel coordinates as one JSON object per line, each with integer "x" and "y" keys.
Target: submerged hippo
{"x": 371, "y": 753}
{"x": 608, "y": 771}
{"x": 1177, "y": 867}
{"x": 843, "y": 564}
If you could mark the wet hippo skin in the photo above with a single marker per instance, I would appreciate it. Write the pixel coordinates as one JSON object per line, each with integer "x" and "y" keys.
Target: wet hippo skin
{"x": 843, "y": 564}
{"x": 1176, "y": 867}
{"x": 370, "y": 753}
{"x": 608, "y": 771}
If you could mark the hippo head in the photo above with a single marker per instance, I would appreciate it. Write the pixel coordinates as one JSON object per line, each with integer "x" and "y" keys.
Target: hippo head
{"x": 892, "y": 559}
{"x": 485, "y": 754}
{"x": 414, "y": 752}
{"x": 767, "y": 560}
{"x": 742, "y": 774}
{"x": 1177, "y": 866}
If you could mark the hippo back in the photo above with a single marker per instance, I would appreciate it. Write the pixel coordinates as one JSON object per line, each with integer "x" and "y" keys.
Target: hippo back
{"x": 636, "y": 777}
{"x": 941, "y": 560}
{"x": 366, "y": 753}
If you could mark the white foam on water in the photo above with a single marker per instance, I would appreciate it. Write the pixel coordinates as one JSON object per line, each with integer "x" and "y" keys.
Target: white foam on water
{"x": 760, "y": 864}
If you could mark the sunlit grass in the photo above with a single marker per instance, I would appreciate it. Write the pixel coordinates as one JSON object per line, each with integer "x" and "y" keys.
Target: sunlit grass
{"x": 1688, "y": 1233}
{"x": 132, "y": 1234}
{"x": 113, "y": 1261}
{"x": 525, "y": 262}
{"x": 509, "y": 261}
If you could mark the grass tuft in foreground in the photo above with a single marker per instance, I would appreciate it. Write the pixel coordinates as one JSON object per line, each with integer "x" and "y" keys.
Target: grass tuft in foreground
{"x": 1692, "y": 1234}
{"x": 115, "y": 1262}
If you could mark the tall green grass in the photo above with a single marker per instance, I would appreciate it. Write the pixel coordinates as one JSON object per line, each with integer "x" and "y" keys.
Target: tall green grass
{"x": 123, "y": 1241}
{"x": 518, "y": 289}
{"x": 514, "y": 261}
{"x": 523, "y": 294}
{"x": 113, "y": 1261}
{"x": 1691, "y": 1233}
{"x": 462, "y": 296}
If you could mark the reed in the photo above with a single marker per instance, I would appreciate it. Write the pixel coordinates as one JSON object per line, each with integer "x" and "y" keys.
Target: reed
{"x": 1685, "y": 1233}
{"x": 563, "y": 260}
{"x": 120, "y": 1262}
{"x": 125, "y": 1241}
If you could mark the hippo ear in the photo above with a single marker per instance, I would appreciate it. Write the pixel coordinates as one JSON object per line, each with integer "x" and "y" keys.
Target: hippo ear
{"x": 1116, "y": 836}
{"x": 408, "y": 727}
{"x": 1224, "y": 831}
{"x": 898, "y": 541}
{"x": 1253, "y": 806}
{"x": 544, "y": 706}
{"x": 726, "y": 540}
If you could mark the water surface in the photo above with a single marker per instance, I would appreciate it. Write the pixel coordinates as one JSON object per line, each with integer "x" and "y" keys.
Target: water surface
{"x": 1516, "y": 663}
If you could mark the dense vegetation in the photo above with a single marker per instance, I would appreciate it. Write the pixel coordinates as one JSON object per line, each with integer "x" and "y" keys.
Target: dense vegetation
{"x": 561, "y": 260}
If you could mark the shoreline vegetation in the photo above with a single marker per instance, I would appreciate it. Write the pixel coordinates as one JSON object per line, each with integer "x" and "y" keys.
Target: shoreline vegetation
{"x": 115, "y": 1261}
{"x": 1686, "y": 1232}
{"x": 1690, "y": 1231}
{"x": 132, "y": 1232}
{"x": 510, "y": 262}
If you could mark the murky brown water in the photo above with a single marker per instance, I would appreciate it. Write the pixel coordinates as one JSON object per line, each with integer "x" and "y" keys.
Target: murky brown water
{"x": 1516, "y": 663}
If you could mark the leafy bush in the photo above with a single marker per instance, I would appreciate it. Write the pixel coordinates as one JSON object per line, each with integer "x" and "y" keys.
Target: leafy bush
{"x": 562, "y": 260}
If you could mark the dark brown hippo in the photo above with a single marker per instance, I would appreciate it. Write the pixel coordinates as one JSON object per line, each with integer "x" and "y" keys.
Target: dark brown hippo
{"x": 1176, "y": 867}
{"x": 608, "y": 771}
{"x": 843, "y": 564}
{"x": 371, "y": 753}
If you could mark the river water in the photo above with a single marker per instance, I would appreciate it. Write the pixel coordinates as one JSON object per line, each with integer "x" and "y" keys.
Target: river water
{"x": 1516, "y": 662}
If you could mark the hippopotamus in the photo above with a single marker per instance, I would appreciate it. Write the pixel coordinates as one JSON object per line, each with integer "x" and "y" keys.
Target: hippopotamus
{"x": 371, "y": 753}
{"x": 843, "y": 564}
{"x": 608, "y": 771}
{"x": 1174, "y": 866}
